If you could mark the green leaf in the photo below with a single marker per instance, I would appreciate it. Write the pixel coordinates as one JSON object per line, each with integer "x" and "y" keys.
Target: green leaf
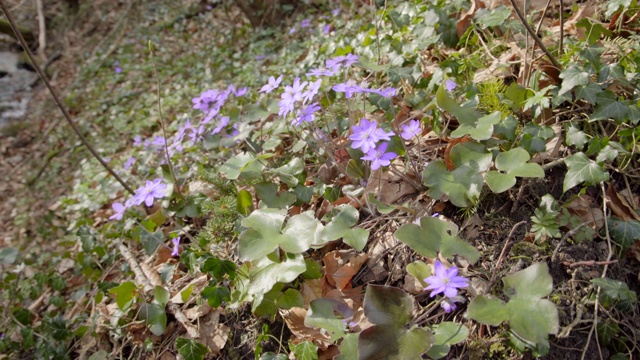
{"x": 269, "y": 355}
{"x": 263, "y": 234}
{"x": 624, "y": 233}
{"x": 186, "y": 293}
{"x": 388, "y": 306}
{"x": 610, "y": 109}
{"x": 514, "y": 162}
{"x": 269, "y": 194}
{"x": 154, "y": 316}
{"x": 301, "y": 232}
{"x": 616, "y": 291}
{"x": 588, "y": 92}
{"x": 446, "y": 334}
{"x": 244, "y": 202}
{"x": 8, "y": 255}
{"x": 482, "y": 129}
{"x": 378, "y": 342}
{"x": 486, "y": 18}
{"x": 265, "y": 276}
{"x": 322, "y": 314}
{"x": 419, "y": 270}
{"x": 287, "y": 172}
{"x": 572, "y": 77}
{"x": 462, "y": 185}
{"x": 314, "y": 269}
{"x": 607, "y": 153}
{"x": 488, "y": 311}
{"x": 150, "y": 240}
{"x": 216, "y": 295}
{"x": 472, "y": 154}
{"x": 466, "y": 116}
{"x": 413, "y": 343}
{"x": 191, "y": 349}
{"x": 356, "y": 238}
{"x": 532, "y": 282}
{"x": 534, "y": 329}
{"x": 348, "y": 347}
{"x": 435, "y": 235}
{"x": 613, "y": 6}
{"x": 499, "y": 182}
{"x": 291, "y": 298}
{"x": 305, "y": 350}
{"x": 124, "y": 293}
{"x": 218, "y": 268}
{"x": 242, "y": 162}
{"x": 340, "y": 227}
{"x": 576, "y": 137}
{"x": 581, "y": 169}
{"x": 356, "y": 169}
{"x": 160, "y": 296}
{"x": 380, "y": 206}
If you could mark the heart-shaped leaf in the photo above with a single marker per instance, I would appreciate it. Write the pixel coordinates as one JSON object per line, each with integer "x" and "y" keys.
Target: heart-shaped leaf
{"x": 388, "y": 305}
{"x": 462, "y": 185}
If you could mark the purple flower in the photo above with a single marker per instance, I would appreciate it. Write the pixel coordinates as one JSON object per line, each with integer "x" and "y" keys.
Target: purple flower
{"x": 448, "y": 305}
{"x": 312, "y": 90}
{"x": 340, "y": 61}
{"x": 295, "y": 90}
{"x": 411, "y": 130}
{"x": 367, "y": 134}
{"x": 137, "y": 140}
{"x": 151, "y": 190}
{"x": 349, "y": 88}
{"x": 292, "y": 30}
{"x": 386, "y": 92}
{"x": 241, "y": 92}
{"x": 196, "y": 134}
{"x": 176, "y": 246}
{"x": 306, "y": 115}
{"x": 260, "y": 57}
{"x": 224, "y": 121}
{"x": 305, "y": 23}
{"x": 119, "y": 211}
{"x": 321, "y": 72}
{"x": 118, "y": 69}
{"x": 206, "y": 97}
{"x": 445, "y": 281}
{"x": 335, "y": 12}
{"x": 130, "y": 161}
{"x": 450, "y": 85}
{"x": 289, "y": 97}
{"x": 326, "y": 29}
{"x": 380, "y": 157}
{"x": 271, "y": 85}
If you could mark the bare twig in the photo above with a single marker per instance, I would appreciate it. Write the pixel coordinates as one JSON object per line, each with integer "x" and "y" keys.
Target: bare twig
{"x": 502, "y": 253}
{"x": 588, "y": 263}
{"x": 42, "y": 30}
{"x": 561, "y": 28}
{"x": 535, "y": 37}
{"x": 565, "y": 237}
{"x": 56, "y": 99}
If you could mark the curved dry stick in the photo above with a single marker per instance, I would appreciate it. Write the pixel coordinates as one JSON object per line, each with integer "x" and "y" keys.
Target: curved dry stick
{"x": 535, "y": 37}
{"x": 66, "y": 114}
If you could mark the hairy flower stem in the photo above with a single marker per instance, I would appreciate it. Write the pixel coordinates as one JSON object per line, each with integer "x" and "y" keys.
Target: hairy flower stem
{"x": 56, "y": 99}
{"x": 164, "y": 128}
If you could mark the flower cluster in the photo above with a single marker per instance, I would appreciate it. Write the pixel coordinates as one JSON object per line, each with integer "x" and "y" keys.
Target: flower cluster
{"x": 366, "y": 136}
{"x": 447, "y": 282}
{"x": 145, "y": 194}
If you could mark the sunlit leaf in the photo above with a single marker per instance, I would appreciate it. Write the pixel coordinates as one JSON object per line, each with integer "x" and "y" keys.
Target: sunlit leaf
{"x": 581, "y": 169}
{"x": 191, "y": 349}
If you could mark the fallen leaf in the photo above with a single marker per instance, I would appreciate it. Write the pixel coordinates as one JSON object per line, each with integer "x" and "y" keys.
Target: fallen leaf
{"x": 213, "y": 334}
{"x": 619, "y": 205}
{"x": 294, "y": 318}
{"x": 197, "y": 285}
{"x": 311, "y": 290}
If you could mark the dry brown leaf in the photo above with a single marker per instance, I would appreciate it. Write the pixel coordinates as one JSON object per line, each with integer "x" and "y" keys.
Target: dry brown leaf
{"x": 412, "y": 285}
{"x": 330, "y": 353}
{"x": 311, "y": 290}
{"x": 352, "y": 295}
{"x": 213, "y": 334}
{"x": 588, "y": 210}
{"x": 294, "y": 318}
{"x": 197, "y": 283}
{"x": 619, "y": 205}
{"x": 634, "y": 251}
{"x": 465, "y": 20}
{"x": 341, "y": 266}
{"x": 388, "y": 186}
{"x": 151, "y": 274}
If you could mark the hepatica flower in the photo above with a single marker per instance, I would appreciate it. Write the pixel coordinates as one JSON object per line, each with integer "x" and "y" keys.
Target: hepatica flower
{"x": 119, "y": 211}
{"x": 445, "y": 281}
{"x": 151, "y": 190}
{"x": 380, "y": 157}
{"x": 306, "y": 115}
{"x": 341, "y": 61}
{"x": 271, "y": 85}
{"x": 367, "y": 134}
{"x": 176, "y": 246}
{"x": 450, "y": 85}
{"x": 224, "y": 121}
{"x": 411, "y": 130}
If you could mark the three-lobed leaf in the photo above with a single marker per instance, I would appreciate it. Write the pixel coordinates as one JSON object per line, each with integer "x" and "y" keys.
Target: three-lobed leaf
{"x": 580, "y": 169}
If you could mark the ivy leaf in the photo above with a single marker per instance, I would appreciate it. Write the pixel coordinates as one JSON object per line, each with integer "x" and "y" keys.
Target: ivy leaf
{"x": 572, "y": 77}
{"x": 154, "y": 316}
{"x": 305, "y": 350}
{"x": 270, "y": 355}
{"x": 581, "y": 169}
{"x": 8, "y": 255}
{"x": 609, "y": 109}
{"x": 191, "y": 349}
{"x": 532, "y": 282}
{"x": 576, "y": 137}
{"x": 216, "y": 295}
{"x": 218, "y": 268}
{"x": 624, "y": 233}
{"x": 588, "y": 92}
{"x": 462, "y": 185}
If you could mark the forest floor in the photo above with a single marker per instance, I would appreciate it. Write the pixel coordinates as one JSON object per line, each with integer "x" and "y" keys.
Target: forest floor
{"x": 75, "y": 282}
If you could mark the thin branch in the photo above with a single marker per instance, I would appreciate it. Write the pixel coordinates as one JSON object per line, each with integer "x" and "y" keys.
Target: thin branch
{"x": 535, "y": 37}
{"x": 66, "y": 114}
{"x": 42, "y": 30}
{"x": 502, "y": 253}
